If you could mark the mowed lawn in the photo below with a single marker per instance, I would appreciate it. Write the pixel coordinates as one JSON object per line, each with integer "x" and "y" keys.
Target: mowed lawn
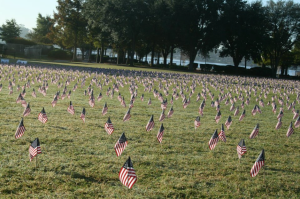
{"x": 78, "y": 159}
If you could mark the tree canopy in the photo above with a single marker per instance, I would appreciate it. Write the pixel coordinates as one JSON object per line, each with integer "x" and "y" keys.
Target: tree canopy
{"x": 10, "y": 30}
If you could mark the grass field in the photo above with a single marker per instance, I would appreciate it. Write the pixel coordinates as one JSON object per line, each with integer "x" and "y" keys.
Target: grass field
{"x": 78, "y": 159}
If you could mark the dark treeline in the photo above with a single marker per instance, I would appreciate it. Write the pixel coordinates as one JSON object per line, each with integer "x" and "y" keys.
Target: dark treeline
{"x": 267, "y": 34}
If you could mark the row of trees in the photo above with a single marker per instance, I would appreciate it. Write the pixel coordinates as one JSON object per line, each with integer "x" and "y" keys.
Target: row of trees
{"x": 268, "y": 34}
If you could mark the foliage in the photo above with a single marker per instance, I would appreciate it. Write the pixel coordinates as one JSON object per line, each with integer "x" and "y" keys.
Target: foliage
{"x": 60, "y": 54}
{"x": 10, "y": 30}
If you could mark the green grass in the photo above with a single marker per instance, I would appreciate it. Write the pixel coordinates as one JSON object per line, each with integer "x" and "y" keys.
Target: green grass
{"x": 78, "y": 159}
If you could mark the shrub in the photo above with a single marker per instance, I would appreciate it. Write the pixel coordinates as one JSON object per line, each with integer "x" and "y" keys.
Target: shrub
{"x": 60, "y": 54}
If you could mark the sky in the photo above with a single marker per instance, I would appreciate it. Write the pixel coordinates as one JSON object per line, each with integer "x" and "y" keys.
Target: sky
{"x": 26, "y": 11}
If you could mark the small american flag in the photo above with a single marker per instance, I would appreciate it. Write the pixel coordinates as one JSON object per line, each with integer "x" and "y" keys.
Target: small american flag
{"x": 228, "y": 122}
{"x": 279, "y": 124}
{"x": 185, "y": 103}
{"x": 213, "y": 140}
{"x": 253, "y": 112}
{"x": 150, "y": 124}
{"x": 164, "y": 104}
{"x": 27, "y": 110}
{"x": 123, "y": 102}
{"x": 243, "y": 115}
{"x": 254, "y": 132}
{"x": 236, "y": 112}
{"x": 82, "y": 116}
{"x": 131, "y": 104}
{"x": 218, "y": 116}
{"x": 104, "y": 110}
{"x": 197, "y": 122}
{"x": 296, "y": 114}
{"x": 297, "y": 122}
{"x": 53, "y": 103}
{"x": 33, "y": 93}
{"x": 160, "y": 133}
{"x": 290, "y": 130}
{"x": 222, "y": 135}
{"x": 34, "y": 148}
{"x": 121, "y": 144}
{"x": 260, "y": 162}
{"x": 43, "y": 116}
{"x": 241, "y": 148}
{"x": 71, "y": 109}
{"x": 109, "y": 128}
{"x": 280, "y": 115}
{"x": 127, "y": 116}
{"x": 20, "y": 130}
{"x": 127, "y": 174}
{"x": 171, "y": 111}
{"x": 99, "y": 96}
{"x": 149, "y": 101}
{"x": 274, "y": 108}
{"x": 142, "y": 97}
{"x": 162, "y": 116}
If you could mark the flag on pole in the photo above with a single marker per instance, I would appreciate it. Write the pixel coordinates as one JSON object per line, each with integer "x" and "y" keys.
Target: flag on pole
{"x": 222, "y": 135}
{"x": 34, "y": 148}
{"x": 127, "y": 174}
{"x": 121, "y": 144}
{"x": 213, "y": 140}
{"x": 43, "y": 116}
{"x": 228, "y": 122}
{"x": 109, "y": 128}
{"x": 253, "y": 112}
{"x": 296, "y": 114}
{"x": 127, "y": 116}
{"x": 254, "y": 132}
{"x": 241, "y": 148}
{"x": 149, "y": 101}
{"x": 71, "y": 109}
{"x": 279, "y": 124}
{"x": 260, "y": 162}
{"x": 162, "y": 115}
{"x": 20, "y": 130}
{"x": 53, "y": 103}
{"x": 197, "y": 122}
{"x": 123, "y": 102}
{"x": 171, "y": 111}
{"x": 236, "y": 112}
{"x": 280, "y": 115}
{"x": 160, "y": 133}
{"x": 290, "y": 130}
{"x": 82, "y": 116}
{"x": 218, "y": 116}
{"x": 104, "y": 110}
{"x": 297, "y": 122}
{"x": 164, "y": 104}
{"x": 150, "y": 124}
{"x": 243, "y": 115}
{"x": 142, "y": 97}
{"x": 99, "y": 97}
{"x": 27, "y": 110}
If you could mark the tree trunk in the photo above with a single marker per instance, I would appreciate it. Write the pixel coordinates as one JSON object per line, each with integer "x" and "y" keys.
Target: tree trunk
{"x": 286, "y": 71}
{"x": 158, "y": 56}
{"x": 98, "y": 56}
{"x": 120, "y": 56}
{"x": 102, "y": 52}
{"x": 124, "y": 56}
{"x": 75, "y": 49}
{"x": 165, "y": 56}
{"x": 127, "y": 60}
{"x": 282, "y": 70}
{"x": 152, "y": 54}
{"x": 171, "y": 56}
{"x": 90, "y": 54}
{"x": 192, "y": 56}
{"x": 82, "y": 53}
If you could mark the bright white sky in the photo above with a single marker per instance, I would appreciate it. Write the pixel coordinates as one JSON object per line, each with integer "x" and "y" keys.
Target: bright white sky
{"x": 26, "y": 11}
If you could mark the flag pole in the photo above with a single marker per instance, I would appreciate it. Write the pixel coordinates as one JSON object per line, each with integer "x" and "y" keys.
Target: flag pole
{"x": 36, "y": 160}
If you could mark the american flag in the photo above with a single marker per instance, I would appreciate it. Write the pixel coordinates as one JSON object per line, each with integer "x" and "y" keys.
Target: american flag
{"x": 228, "y": 122}
{"x": 290, "y": 130}
{"x": 197, "y": 122}
{"x": 131, "y": 104}
{"x": 274, "y": 108}
{"x": 164, "y": 104}
{"x": 92, "y": 100}
{"x": 254, "y": 132}
{"x": 99, "y": 96}
{"x": 33, "y": 93}
{"x": 123, "y": 102}
{"x": 34, "y": 148}
{"x": 232, "y": 107}
{"x": 185, "y": 103}
{"x": 171, "y": 111}
{"x": 241, "y": 148}
{"x": 20, "y": 130}
{"x": 280, "y": 115}
{"x": 20, "y": 97}
{"x": 142, "y": 97}
{"x": 69, "y": 95}
{"x": 222, "y": 135}
{"x": 150, "y": 124}
{"x": 296, "y": 114}
{"x": 236, "y": 112}
{"x": 109, "y": 128}
{"x": 71, "y": 109}
{"x": 43, "y": 116}
{"x": 149, "y": 101}
{"x": 104, "y": 110}
{"x": 218, "y": 116}
{"x": 127, "y": 116}
{"x": 160, "y": 133}
{"x": 162, "y": 116}
{"x": 213, "y": 140}
{"x": 27, "y": 110}
{"x": 53, "y": 103}
{"x": 243, "y": 115}
{"x": 127, "y": 174}
{"x": 121, "y": 144}
{"x": 297, "y": 122}
{"x": 82, "y": 116}
{"x": 279, "y": 124}
{"x": 260, "y": 162}
{"x": 253, "y": 112}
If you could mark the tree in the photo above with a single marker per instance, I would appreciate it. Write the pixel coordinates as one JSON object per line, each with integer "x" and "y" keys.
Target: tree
{"x": 242, "y": 29}
{"x": 69, "y": 24}
{"x": 10, "y": 30}
{"x": 283, "y": 31}
{"x": 43, "y": 28}
{"x": 197, "y": 25}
